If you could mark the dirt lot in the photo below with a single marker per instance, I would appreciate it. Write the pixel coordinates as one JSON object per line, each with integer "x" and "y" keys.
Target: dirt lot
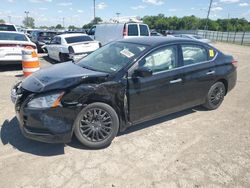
{"x": 193, "y": 148}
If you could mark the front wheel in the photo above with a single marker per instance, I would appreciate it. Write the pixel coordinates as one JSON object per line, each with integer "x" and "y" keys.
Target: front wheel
{"x": 215, "y": 96}
{"x": 96, "y": 125}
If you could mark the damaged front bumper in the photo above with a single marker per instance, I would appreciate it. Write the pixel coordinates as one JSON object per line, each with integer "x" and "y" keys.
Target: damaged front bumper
{"x": 51, "y": 125}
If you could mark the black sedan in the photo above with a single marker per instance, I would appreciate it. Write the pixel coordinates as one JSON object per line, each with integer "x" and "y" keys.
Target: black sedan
{"x": 119, "y": 85}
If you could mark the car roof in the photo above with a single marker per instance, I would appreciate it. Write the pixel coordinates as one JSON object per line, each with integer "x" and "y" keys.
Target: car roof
{"x": 12, "y": 32}
{"x": 72, "y": 35}
{"x": 156, "y": 40}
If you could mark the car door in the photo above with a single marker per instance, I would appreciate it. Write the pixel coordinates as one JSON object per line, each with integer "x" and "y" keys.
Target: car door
{"x": 57, "y": 48}
{"x": 198, "y": 70}
{"x": 160, "y": 93}
{"x": 49, "y": 47}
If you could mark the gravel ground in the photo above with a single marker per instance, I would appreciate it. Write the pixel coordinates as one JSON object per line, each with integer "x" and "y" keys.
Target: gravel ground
{"x": 192, "y": 148}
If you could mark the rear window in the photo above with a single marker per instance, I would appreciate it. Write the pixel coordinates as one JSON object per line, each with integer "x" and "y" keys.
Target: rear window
{"x": 13, "y": 36}
{"x": 4, "y": 27}
{"x": 47, "y": 34}
{"x": 144, "y": 30}
{"x": 133, "y": 30}
{"x": 193, "y": 54}
{"x": 76, "y": 39}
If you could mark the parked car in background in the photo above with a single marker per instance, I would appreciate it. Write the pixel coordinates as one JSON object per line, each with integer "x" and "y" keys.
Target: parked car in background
{"x": 42, "y": 37}
{"x": 105, "y": 33}
{"x": 11, "y": 45}
{"x": 194, "y": 37}
{"x": 72, "y": 46}
{"x": 124, "y": 83}
{"x": 155, "y": 33}
{"x": 7, "y": 27}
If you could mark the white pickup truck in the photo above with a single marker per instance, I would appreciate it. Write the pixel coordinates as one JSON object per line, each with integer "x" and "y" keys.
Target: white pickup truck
{"x": 71, "y": 46}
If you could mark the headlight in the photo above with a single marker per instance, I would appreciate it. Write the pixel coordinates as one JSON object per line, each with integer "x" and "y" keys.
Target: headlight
{"x": 46, "y": 101}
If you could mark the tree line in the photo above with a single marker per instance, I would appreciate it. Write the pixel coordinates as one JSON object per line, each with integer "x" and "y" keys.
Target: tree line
{"x": 161, "y": 23}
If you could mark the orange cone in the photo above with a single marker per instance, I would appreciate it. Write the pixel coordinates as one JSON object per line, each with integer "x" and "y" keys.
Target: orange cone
{"x": 30, "y": 61}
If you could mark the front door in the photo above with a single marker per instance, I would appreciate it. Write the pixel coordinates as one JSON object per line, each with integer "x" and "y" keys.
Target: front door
{"x": 160, "y": 93}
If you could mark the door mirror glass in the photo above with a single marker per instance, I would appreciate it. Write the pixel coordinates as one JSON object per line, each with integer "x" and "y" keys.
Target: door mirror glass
{"x": 143, "y": 72}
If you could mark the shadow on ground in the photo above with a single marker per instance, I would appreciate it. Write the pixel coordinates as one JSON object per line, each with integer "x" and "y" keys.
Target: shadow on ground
{"x": 11, "y": 134}
{"x": 11, "y": 67}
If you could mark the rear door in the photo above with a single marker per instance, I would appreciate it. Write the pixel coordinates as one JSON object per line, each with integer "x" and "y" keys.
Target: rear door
{"x": 162, "y": 92}
{"x": 199, "y": 72}
{"x": 144, "y": 30}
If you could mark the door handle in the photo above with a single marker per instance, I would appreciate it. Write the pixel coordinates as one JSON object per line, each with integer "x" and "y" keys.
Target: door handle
{"x": 210, "y": 72}
{"x": 176, "y": 81}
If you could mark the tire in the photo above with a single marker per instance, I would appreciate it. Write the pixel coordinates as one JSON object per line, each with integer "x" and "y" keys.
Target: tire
{"x": 96, "y": 125}
{"x": 215, "y": 96}
{"x": 63, "y": 57}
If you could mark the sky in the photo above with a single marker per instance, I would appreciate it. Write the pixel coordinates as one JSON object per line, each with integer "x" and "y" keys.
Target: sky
{"x": 80, "y": 12}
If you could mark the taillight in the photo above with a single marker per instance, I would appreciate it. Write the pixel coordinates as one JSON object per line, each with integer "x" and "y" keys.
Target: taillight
{"x": 71, "y": 50}
{"x": 234, "y": 63}
{"x": 125, "y": 31}
{"x": 29, "y": 47}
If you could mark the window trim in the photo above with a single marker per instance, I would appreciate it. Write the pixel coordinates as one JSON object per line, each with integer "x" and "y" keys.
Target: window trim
{"x": 203, "y": 46}
{"x": 131, "y": 69}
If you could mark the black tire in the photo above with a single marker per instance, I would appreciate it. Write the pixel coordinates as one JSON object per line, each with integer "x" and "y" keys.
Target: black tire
{"x": 63, "y": 57}
{"x": 96, "y": 125}
{"x": 215, "y": 96}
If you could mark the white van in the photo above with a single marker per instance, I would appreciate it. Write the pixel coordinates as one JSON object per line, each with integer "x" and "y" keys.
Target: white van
{"x": 105, "y": 33}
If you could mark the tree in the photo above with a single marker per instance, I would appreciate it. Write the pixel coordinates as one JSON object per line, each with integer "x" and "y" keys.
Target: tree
{"x": 2, "y": 21}
{"x": 29, "y": 22}
{"x": 72, "y": 27}
{"x": 93, "y": 22}
{"x": 59, "y": 26}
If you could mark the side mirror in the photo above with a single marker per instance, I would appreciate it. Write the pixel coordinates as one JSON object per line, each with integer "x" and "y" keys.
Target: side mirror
{"x": 143, "y": 72}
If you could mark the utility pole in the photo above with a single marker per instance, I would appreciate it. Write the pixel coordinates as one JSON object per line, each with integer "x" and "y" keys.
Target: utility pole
{"x": 118, "y": 16}
{"x": 63, "y": 21}
{"x": 27, "y": 18}
{"x": 208, "y": 13}
{"x": 9, "y": 17}
{"x": 94, "y": 12}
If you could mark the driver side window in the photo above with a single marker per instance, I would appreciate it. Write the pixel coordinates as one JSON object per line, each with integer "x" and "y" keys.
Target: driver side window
{"x": 161, "y": 60}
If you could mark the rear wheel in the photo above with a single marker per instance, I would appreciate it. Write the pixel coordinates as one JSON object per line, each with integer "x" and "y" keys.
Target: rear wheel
{"x": 96, "y": 125}
{"x": 215, "y": 96}
{"x": 63, "y": 57}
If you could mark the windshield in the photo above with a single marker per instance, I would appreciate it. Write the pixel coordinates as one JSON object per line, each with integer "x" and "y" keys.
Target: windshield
{"x": 13, "y": 36}
{"x": 112, "y": 57}
{"x": 76, "y": 39}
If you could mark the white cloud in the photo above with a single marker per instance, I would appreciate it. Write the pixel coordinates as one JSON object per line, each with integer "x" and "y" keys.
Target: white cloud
{"x": 101, "y": 6}
{"x": 59, "y": 11}
{"x": 42, "y": 8}
{"x": 154, "y": 2}
{"x": 65, "y": 4}
{"x": 10, "y": 1}
{"x": 214, "y": 9}
{"x": 80, "y": 11}
{"x": 229, "y": 1}
{"x": 172, "y": 10}
{"x": 138, "y": 7}
{"x": 243, "y": 4}
{"x": 40, "y": 1}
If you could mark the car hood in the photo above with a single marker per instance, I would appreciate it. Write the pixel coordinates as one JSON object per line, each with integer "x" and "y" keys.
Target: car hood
{"x": 59, "y": 76}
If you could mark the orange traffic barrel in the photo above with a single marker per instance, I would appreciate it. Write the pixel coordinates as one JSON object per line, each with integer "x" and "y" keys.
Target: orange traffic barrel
{"x": 30, "y": 61}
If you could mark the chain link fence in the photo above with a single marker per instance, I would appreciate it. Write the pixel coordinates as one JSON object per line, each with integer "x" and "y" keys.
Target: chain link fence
{"x": 242, "y": 38}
